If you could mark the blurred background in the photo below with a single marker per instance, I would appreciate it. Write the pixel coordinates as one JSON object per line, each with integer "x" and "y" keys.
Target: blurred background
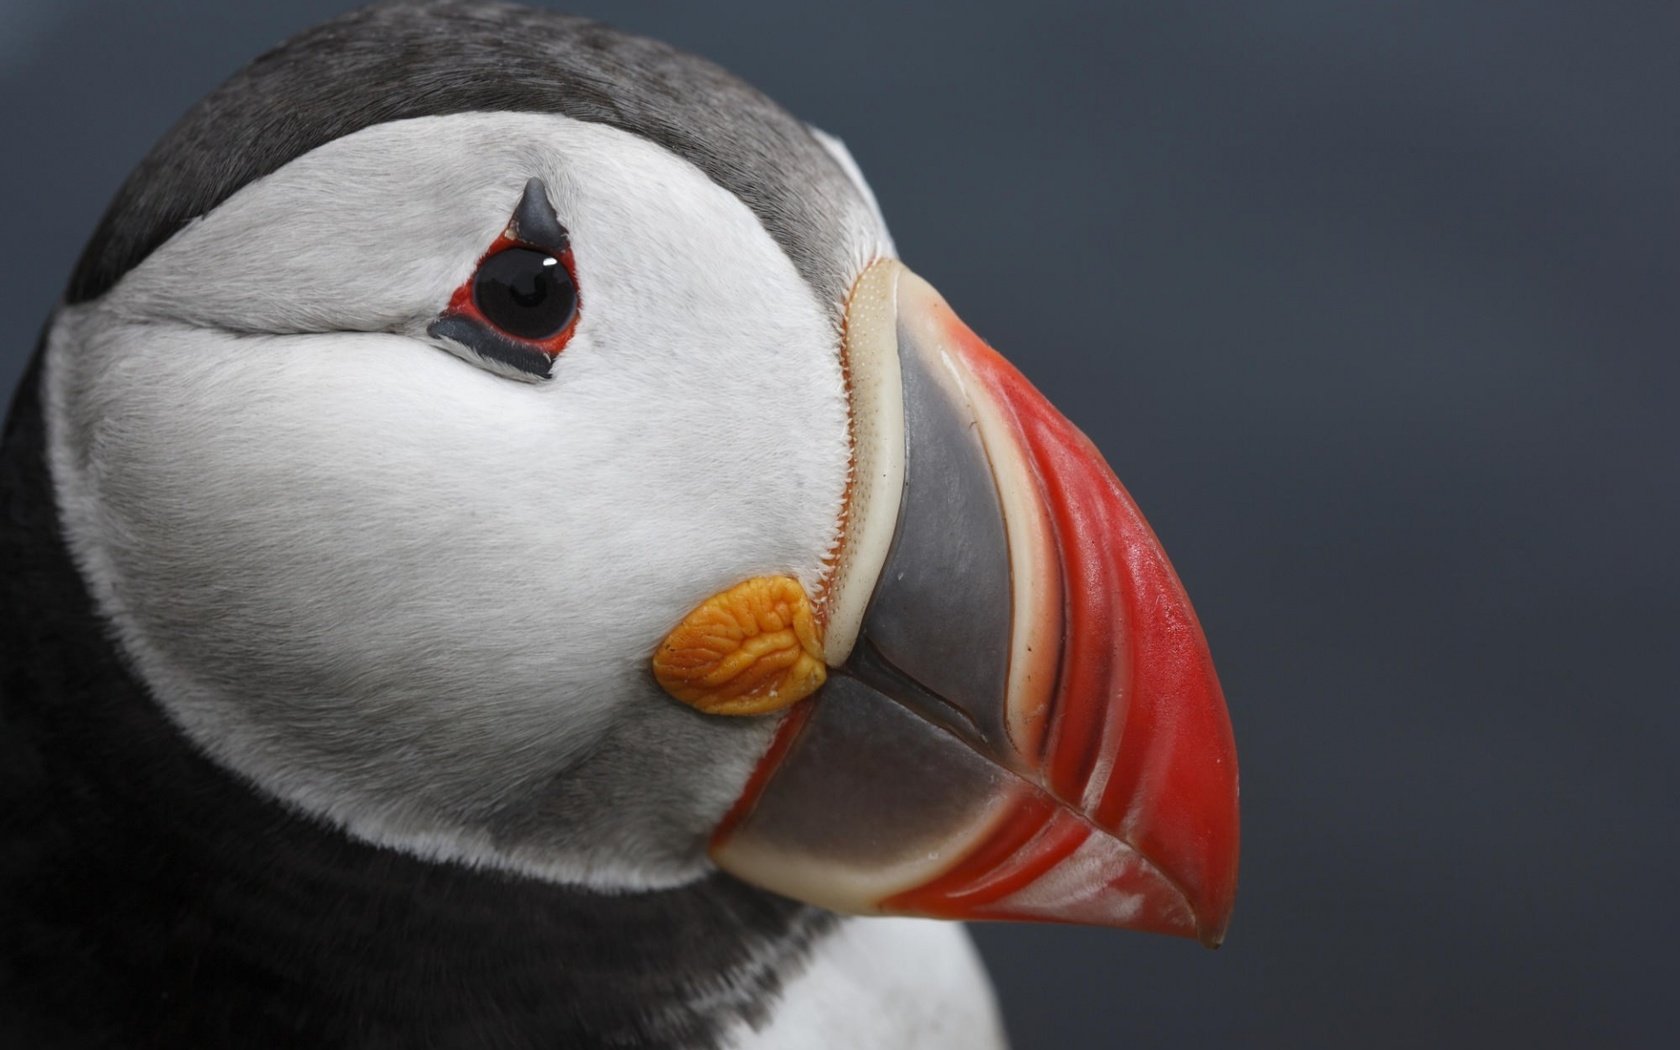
{"x": 1374, "y": 307}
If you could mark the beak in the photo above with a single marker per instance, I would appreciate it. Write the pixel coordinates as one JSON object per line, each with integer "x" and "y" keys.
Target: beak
{"x": 1021, "y": 719}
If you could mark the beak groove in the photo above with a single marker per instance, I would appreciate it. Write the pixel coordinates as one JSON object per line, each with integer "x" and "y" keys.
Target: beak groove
{"x": 1022, "y": 720}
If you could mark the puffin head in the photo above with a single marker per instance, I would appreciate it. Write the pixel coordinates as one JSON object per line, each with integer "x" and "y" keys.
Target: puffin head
{"x": 518, "y": 444}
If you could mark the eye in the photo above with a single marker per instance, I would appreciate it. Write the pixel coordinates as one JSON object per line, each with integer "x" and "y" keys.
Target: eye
{"x": 526, "y": 293}
{"x": 518, "y": 310}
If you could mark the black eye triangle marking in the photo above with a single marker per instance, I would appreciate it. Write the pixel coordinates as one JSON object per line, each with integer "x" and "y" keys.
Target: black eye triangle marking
{"x": 500, "y": 353}
{"x": 535, "y": 223}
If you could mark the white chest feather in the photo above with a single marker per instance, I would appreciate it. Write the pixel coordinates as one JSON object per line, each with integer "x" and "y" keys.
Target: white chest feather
{"x": 885, "y": 984}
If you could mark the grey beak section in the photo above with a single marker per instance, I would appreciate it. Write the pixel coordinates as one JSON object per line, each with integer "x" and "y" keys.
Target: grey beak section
{"x": 903, "y": 758}
{"x": 936, "y": 633}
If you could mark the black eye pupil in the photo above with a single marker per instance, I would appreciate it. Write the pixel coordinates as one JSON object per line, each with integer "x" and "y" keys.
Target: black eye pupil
{"x": 526, "y": 293}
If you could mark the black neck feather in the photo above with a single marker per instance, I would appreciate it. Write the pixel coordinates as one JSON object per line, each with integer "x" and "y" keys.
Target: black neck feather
{"x": 150, "y": 899}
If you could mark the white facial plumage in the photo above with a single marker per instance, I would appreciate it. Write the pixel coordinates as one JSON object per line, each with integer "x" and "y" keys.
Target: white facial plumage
{"x": 410, "y": 595}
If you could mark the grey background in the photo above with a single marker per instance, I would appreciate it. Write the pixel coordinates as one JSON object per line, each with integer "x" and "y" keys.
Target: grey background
{"x": 1373, "y": 306}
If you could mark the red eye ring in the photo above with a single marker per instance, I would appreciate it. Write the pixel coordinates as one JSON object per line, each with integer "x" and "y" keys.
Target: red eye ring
{"x": 522, "y": 292}
{"x": 519, "y": 307}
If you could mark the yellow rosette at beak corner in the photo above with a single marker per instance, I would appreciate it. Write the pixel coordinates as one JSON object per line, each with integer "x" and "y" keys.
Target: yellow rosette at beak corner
{"x": 749, "y": 650}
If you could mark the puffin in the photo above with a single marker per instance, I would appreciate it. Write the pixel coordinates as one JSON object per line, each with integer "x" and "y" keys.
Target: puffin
{"x": 497, "y": 550}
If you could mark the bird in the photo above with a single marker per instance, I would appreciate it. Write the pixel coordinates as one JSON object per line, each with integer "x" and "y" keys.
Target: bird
{"x": 500, "y": 551}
